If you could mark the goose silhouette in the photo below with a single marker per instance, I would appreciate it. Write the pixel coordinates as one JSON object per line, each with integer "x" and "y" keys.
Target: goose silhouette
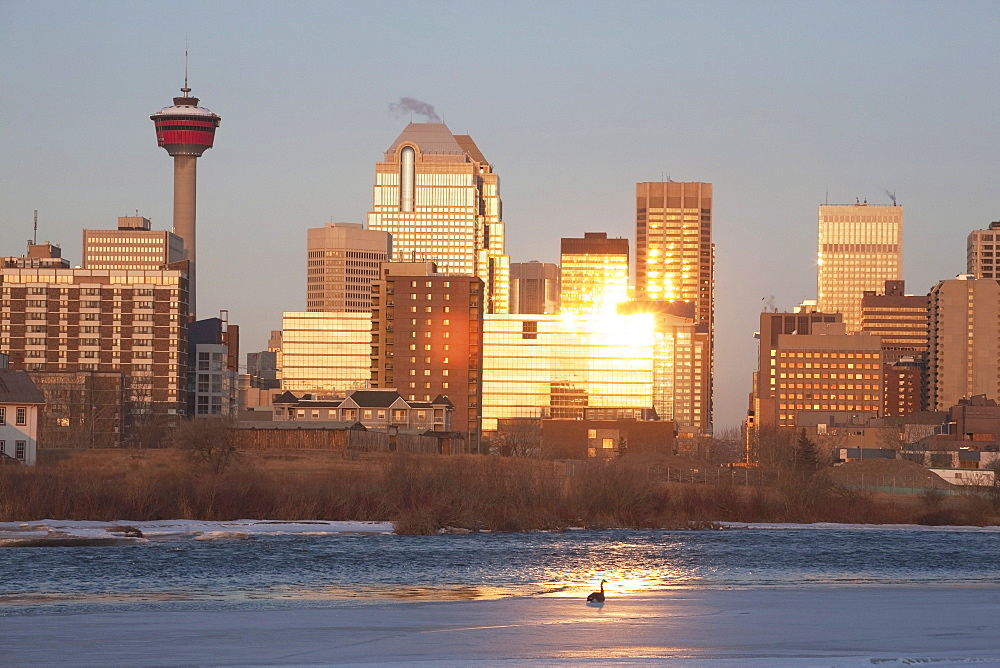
{"x": 597, "y": 596}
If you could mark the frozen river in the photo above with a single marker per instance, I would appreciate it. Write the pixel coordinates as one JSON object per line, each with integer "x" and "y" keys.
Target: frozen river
{"x": 252, "y": 593}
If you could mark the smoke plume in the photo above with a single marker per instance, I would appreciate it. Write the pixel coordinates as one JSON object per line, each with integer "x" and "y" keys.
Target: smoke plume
{"x": 412, "y": 106}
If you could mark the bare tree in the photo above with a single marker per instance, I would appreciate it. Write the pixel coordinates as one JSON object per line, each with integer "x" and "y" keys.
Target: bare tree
{"x": 518, "y": 437}
{"x": 772, "y": 446}
{"x": 210, "y": 442}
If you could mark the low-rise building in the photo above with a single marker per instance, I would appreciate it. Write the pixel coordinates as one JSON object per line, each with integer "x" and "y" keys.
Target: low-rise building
{"x": 379, "y": 410}
{"x": 20, "y": 404}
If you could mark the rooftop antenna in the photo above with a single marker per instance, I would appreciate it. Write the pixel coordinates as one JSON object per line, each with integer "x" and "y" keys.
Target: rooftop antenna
{"x": 185, "y": 90}
{"x": 34, "y": 238}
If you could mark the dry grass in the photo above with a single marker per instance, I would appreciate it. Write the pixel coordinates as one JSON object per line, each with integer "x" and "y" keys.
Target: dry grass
{"x": 422, "y": 494}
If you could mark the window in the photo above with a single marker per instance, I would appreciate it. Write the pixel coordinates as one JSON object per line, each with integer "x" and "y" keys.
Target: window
{"x": 22, "y": 416}
{"x": 20, "y": 449}
{"x": 3, "y": 415}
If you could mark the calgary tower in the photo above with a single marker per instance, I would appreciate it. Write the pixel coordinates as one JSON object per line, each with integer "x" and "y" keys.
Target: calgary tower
{"x": 186, "y": 130}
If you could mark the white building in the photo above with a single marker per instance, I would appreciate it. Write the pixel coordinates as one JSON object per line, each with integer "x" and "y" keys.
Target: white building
{"x": 20, "y": 403}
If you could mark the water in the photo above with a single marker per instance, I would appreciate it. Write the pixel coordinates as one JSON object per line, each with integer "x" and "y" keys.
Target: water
{"x": 303, "y": 567}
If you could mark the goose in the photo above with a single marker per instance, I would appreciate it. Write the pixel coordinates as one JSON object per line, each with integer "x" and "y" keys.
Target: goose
{"x": 597, "y": 596}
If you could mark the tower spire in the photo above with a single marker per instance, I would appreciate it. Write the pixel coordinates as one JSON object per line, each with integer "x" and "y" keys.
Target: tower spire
{"x": 185, "y": 90}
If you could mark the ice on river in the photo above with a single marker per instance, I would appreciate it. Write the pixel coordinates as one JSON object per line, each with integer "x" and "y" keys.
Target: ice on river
{"x": 811, "y": 627}
{"x": 68, "y": 532}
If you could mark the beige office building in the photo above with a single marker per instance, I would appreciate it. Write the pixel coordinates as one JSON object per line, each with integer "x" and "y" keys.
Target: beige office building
{"x": 593, "y": 274}
{"x": 860, "y": 248}
{"x": 544, "y": 366}
{"x": 134, "y": 245}
{"x": 964, "y": 356}
{"x": 983, "y": 252}
{"x": 325, "y": 353}
{"x": 343, "y": 260}
{"x": 439, "y": 198}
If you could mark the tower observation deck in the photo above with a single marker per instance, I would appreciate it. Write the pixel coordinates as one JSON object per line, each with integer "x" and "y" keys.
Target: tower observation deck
{"x": 186, "y": 131}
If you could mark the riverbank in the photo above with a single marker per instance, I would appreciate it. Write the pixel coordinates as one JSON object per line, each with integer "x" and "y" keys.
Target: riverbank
{"x": 423, "y": 494}
{"x": 842, "y": 626}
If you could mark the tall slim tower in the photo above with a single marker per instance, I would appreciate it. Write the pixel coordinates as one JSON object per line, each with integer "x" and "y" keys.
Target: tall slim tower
{"x": 186, "y": 131}
{"x": 860, "y": 248}
{"x": 675, "y": 262}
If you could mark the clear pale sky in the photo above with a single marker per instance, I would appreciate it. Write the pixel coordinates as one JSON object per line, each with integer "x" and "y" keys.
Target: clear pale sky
{"x": 780, "y": 105}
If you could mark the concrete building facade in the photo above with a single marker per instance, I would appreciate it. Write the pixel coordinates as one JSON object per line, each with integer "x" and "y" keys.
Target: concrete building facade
{"x": 764, "y": 405}
{"x": 439, "y": 198}
{"x": 112, "y": 320}
{"x": 134, "y": 245}
{"x": 983, "y": 252}
{"x": 343, "y": 261}
{"x": 901, "y": 321}
{"x": 964, "y": 357}
{"x": 826, "y": 373}
{"x": 860, "y": 248}
{"x": 534, "y": 287}
{"x": 186, "y": 131}
{"x": 427, "y": 340}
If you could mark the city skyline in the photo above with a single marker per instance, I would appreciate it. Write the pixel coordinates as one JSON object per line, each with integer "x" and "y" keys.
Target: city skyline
{"x": 790, "y": 118}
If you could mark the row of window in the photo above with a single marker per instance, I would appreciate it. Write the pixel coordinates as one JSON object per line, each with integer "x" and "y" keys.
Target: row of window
{"x": 20, "y": 449}
{"x": 20, "y": 415}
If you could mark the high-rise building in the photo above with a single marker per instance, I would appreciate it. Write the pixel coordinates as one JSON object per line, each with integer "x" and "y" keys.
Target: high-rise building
{"x": 830, "y": 374}
{"x": 964, "y": 358}
{"x": 675, "y": 261}
{"x": 131, "y": 321}
{"x": 186, "y": 131}
{"x": 674, "y": 253}
{"x": 552, "y": 366}
{"x": 682, "y": 372}
{"x": 983, "y": 250}
{"x": 764, "y": 404}
{"x": 439, "y": 198}
{"x": 593, "y": 274}
{"x": 534, "y": 287}
{"x": 860, "y": 248}
{"x": 343, "y": 260}
{"x": 900, "y": 320}
{"x": 134, "y": 245}
{"x": 427, "y": 340}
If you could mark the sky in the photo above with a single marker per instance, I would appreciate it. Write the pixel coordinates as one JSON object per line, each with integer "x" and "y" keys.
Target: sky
{"x": 782, "y": 106}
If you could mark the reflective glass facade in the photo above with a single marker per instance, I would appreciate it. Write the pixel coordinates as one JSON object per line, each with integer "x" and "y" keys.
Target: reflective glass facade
{"x": 439, "y": 198}
{"x": 860, "y": 248}
{"x": 593, "y": 274}
{"x": 543, "y": 366}
{"x": 325, "y": 352}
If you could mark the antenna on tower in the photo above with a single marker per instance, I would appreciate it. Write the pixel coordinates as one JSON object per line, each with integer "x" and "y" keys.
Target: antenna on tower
{"x": 185, "y": 90}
